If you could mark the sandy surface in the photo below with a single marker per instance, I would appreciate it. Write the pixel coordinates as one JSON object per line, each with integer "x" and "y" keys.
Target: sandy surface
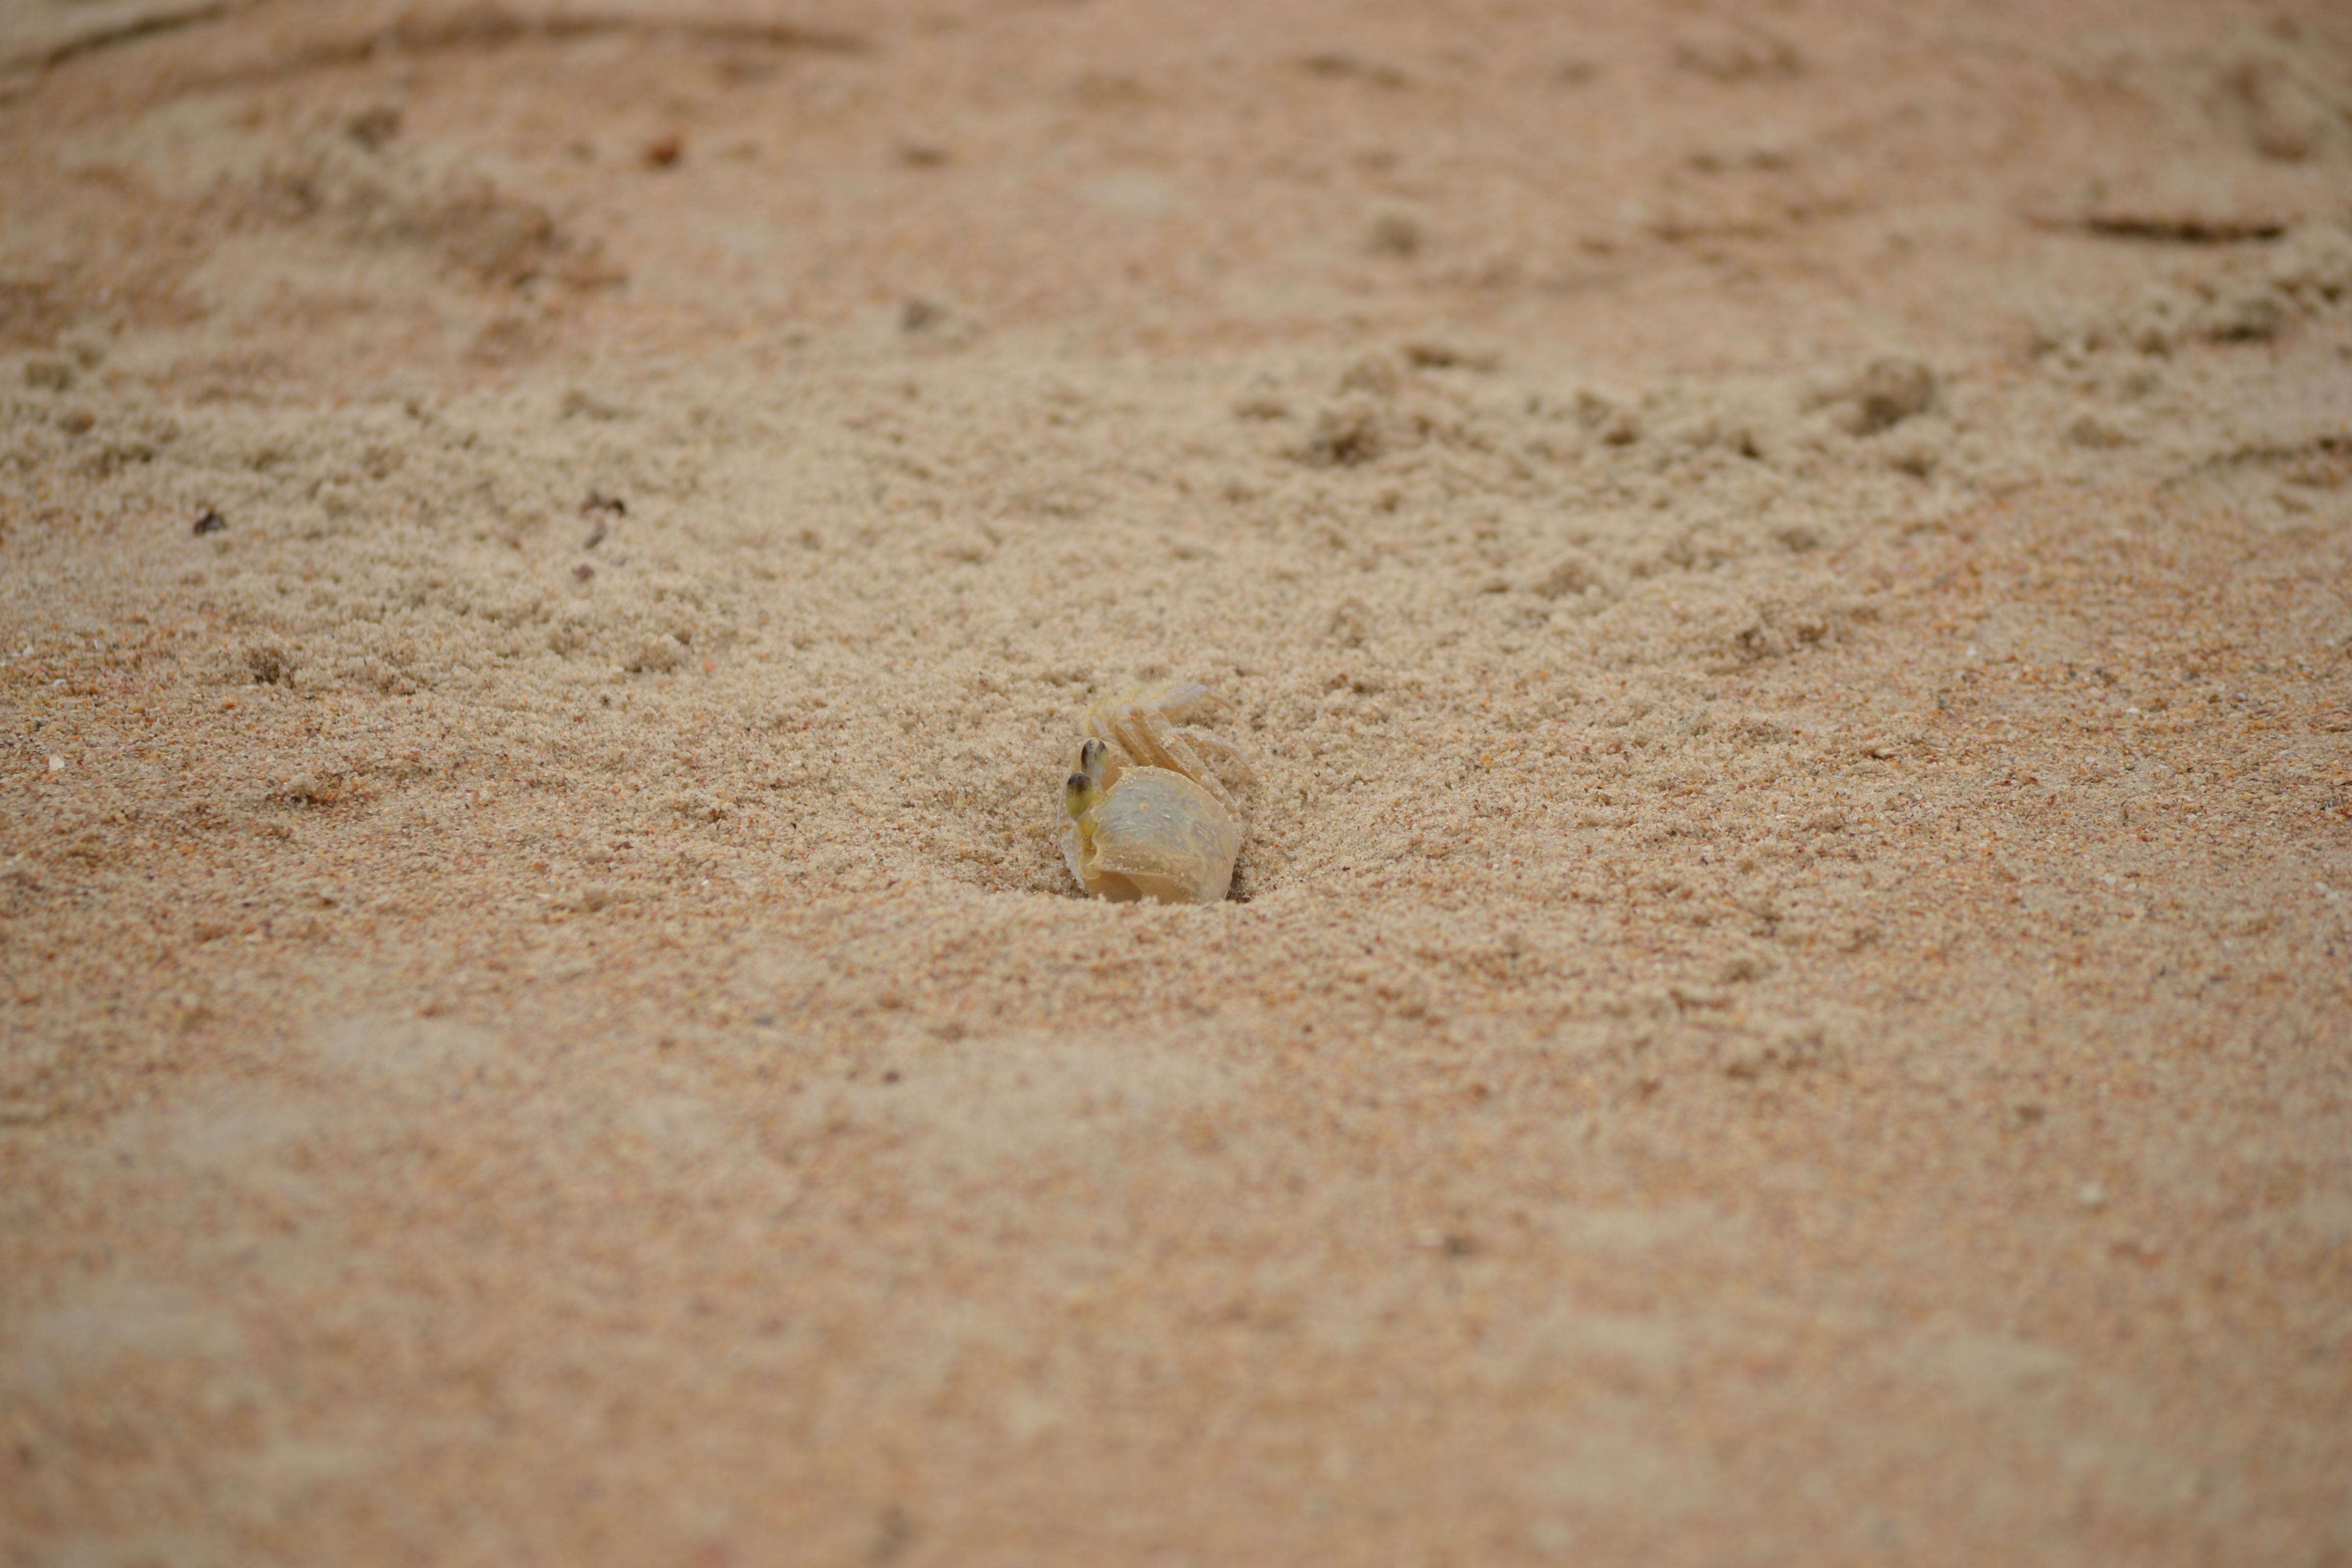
{"x": 1789, "y": 996}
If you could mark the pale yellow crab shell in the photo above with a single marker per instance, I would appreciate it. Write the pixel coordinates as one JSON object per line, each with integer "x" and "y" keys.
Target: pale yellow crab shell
{"x": 1153, "y": 833}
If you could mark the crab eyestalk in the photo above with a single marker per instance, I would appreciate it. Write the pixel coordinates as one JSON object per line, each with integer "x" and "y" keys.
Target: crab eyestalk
{"x": 1083, "y": 786}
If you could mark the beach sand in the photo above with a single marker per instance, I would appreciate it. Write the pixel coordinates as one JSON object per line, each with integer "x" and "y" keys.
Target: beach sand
{"x": 1787, "y": 574}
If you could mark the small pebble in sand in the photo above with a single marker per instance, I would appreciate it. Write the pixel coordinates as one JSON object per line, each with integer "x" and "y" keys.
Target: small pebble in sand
{"x": 1892, "y": 389}
{"x": 1395, "y": 234}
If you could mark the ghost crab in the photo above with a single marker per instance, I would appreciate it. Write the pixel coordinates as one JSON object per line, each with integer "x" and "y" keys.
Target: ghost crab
{"x": 1143, "y": 816}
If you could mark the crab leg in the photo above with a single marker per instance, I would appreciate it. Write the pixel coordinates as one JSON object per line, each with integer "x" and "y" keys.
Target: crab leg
{"x": 1185, "y": 700}
{"x": 1118, "y": 723}
{"x": 1218, "y": 746}
{"x": 1164, "y": 742}
{"x": 1181, "y": 700}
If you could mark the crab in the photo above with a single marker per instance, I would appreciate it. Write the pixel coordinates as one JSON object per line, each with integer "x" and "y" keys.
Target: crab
{"x": 1143, "y": 817}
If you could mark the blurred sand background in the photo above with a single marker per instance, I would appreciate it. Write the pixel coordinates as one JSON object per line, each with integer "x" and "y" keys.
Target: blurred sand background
{"x": 1788, "y": 569}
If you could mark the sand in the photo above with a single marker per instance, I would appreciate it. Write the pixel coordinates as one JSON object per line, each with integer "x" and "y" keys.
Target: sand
{"x": 1786, "y": 574}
